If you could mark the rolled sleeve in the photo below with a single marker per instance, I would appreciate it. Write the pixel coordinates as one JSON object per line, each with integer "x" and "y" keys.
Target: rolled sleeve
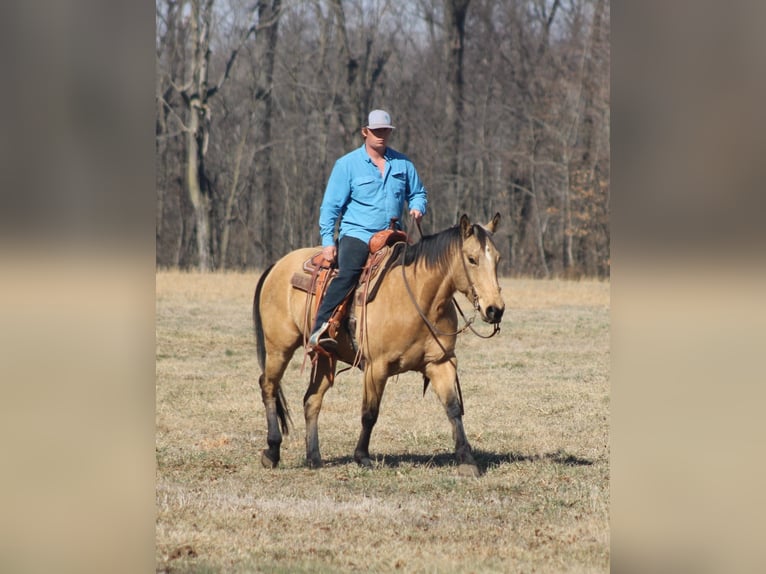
{"x": 417, "y": 197}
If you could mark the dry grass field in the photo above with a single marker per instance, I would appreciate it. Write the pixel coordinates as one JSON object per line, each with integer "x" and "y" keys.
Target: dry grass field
{"x": 537, "y": 414}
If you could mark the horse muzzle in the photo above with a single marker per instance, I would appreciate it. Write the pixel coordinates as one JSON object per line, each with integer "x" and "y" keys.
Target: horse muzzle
{"x": 493, "y": 314}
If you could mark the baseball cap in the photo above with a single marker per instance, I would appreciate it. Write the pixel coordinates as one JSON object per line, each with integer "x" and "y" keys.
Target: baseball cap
{"x": 378, "y": 119}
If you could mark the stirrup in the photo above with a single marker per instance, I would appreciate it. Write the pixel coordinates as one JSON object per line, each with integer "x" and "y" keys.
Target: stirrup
{"x": 320, "y": 338}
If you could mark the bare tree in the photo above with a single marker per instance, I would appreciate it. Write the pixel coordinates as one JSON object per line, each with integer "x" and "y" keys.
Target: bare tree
{"x": 196, "y": 93}
{"x": 173, "y": 236}
{"x": 501, "y": 105}
{"x": 262, "y": 96}
{"x": 455, "y": 12}
{"x": 364, "y": 66}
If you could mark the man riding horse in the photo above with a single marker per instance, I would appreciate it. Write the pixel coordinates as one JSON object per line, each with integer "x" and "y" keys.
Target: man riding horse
{"x": 366, "y": 190}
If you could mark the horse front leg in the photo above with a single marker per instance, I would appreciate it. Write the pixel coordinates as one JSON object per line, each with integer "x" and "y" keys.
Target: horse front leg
{"x": 373, "y": 392}
{"x": 443, "y": 378}
{"x": 322, "y": 375}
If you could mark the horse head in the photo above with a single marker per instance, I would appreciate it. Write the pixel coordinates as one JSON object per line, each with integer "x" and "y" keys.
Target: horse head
{"x": 480, "y": 258}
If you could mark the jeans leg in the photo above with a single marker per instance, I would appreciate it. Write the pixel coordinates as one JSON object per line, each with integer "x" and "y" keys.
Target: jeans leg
{"x": 352, "y": 255}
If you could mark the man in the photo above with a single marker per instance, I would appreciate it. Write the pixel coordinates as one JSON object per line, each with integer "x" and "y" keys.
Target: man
{"x": 366, "y": 189}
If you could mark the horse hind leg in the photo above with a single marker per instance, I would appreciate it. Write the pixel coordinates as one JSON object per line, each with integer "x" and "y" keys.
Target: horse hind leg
{"x": 322, "y": 375}
{"x": 444, "y": 383}
{"x": 277, "y": 414}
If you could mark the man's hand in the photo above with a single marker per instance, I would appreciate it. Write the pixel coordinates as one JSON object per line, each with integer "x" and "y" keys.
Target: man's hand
{"x": 416, "y": 215}
{"x": 329, "y": 253}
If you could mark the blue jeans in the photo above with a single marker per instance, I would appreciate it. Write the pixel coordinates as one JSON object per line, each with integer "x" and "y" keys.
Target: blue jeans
{"x": 352, "y": 255}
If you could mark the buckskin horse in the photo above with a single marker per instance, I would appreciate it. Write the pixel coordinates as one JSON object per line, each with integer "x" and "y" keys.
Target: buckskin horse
{"x": 410, "y": 325}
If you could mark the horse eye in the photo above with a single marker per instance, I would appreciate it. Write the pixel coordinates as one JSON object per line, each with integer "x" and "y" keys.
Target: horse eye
{"x": 471, "y": 260}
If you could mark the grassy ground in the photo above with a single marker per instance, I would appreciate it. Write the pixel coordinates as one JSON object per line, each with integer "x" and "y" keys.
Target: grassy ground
{"x": 537, "y": 414}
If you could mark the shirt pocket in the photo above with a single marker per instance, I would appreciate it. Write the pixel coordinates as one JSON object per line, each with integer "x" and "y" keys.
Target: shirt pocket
{"x": 397, "y": 183}
{"x": 365, "y": 189}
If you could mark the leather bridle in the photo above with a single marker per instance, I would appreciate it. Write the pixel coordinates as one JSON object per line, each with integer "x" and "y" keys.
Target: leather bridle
{"x": 435, "y": 331}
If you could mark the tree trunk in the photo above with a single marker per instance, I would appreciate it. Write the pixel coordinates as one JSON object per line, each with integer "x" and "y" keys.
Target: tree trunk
{"x": 198, "y": 195}
{"x": 362, "y": 72}
{"x": 568, "y": 231}
{"x": 231, "y": 197}
{"x": 264, "y": 187}
{"x": 195, "y": 97}
{"x": 454, "y": 16}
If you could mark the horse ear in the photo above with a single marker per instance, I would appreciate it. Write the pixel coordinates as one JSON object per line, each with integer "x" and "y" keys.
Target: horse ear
{"x": 465, "y": 226}
{"x": 492, "y": 225}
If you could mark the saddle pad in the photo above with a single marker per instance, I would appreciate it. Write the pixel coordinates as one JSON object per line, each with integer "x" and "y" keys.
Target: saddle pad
{"x": 301, "y": 281}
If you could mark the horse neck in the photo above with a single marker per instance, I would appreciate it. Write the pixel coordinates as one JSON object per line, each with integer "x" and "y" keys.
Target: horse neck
{"x": 431, "y": 286}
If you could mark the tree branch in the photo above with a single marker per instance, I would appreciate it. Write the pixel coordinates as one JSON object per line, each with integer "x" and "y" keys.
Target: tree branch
{"x": 230, "y": 62}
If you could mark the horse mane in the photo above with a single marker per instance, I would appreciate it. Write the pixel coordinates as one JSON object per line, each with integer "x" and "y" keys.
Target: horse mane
{"x": 436, "y": 250}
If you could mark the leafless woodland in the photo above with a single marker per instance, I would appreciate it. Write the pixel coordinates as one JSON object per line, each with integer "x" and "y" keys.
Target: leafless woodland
{"x": 503, "y": 105}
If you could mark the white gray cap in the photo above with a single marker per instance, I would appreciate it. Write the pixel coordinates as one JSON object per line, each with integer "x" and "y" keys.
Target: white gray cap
{"x": 379, "y": 119}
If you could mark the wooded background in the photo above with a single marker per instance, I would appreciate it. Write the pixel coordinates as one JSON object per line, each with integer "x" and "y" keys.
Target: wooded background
{"x": 503, "y": 106}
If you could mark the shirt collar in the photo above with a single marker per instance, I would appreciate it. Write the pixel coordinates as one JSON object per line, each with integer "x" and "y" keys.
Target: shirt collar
{"x": 367, "y": 157}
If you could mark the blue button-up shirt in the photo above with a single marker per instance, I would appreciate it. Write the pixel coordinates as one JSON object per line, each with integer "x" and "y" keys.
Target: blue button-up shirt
{"x": 364, "y": 200}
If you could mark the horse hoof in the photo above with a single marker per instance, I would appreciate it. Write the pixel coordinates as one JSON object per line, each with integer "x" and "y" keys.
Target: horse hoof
{"x": 314, "y": 463}
{"x": 364, "y": 461}
{"x": 468, "y": 470}
{"x": 267, "y": 461}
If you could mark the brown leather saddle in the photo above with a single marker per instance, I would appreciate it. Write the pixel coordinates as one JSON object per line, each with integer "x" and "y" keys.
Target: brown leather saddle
{"x": 317, "y": 274}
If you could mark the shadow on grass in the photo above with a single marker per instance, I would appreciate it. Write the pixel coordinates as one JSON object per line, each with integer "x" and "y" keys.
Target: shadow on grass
{"x": 488, "y": 459}
{"x": 484, "y": 459}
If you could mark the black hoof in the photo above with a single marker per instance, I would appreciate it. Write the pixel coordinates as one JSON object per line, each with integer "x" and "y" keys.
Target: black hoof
{"x": 364, "y": 461}
{"x": 268, "y": 460}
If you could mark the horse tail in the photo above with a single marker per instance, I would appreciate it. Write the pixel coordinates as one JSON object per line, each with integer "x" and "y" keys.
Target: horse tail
{"x": 257, "y": 322}
{"x": 283, "y": 413}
